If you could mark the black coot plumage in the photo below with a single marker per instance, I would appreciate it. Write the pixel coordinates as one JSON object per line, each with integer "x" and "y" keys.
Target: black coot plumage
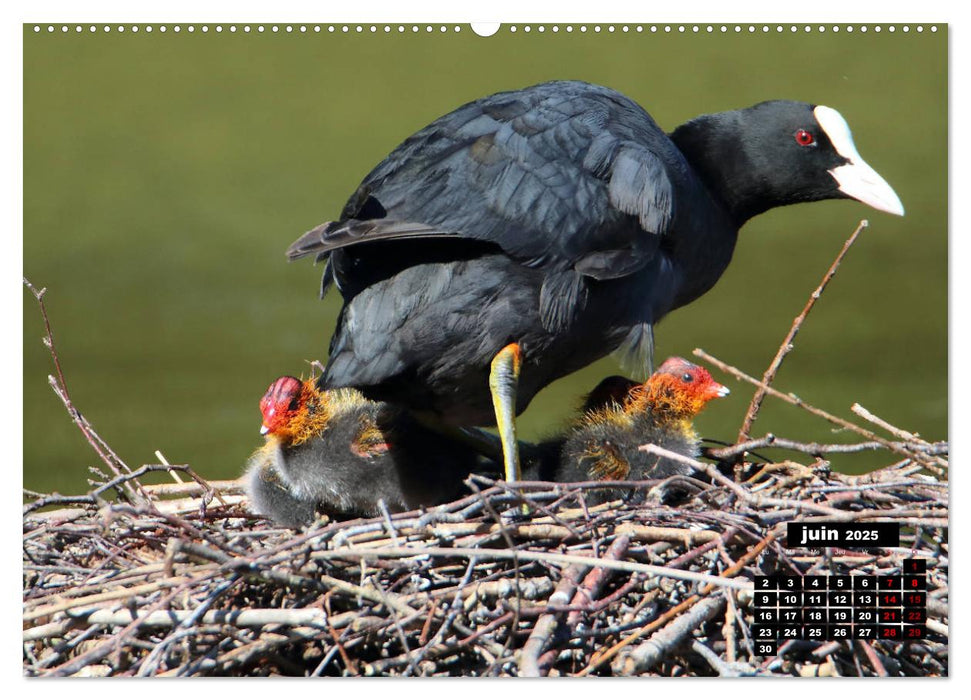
{"x": 530, "y": 233}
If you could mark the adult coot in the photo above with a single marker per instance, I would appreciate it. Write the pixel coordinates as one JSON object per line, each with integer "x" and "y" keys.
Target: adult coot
{"x": 529, "y": 233}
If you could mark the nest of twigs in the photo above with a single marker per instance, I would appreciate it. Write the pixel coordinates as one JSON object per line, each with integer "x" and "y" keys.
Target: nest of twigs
{"x": 176, "y": 584}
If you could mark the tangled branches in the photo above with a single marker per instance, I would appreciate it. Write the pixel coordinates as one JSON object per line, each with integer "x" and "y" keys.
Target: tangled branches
{"x": 469, "y": 588}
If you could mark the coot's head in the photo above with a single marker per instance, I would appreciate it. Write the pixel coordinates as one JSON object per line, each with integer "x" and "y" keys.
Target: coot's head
{"x": 781, "y": 152}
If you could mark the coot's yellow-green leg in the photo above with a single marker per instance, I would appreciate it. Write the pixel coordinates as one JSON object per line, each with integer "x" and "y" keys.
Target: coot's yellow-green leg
{"x": 503, "y": 381}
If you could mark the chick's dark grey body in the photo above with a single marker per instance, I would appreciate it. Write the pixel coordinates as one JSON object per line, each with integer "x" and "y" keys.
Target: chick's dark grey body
{"x": 613, "y": 440}
{"x": 270, "y": 495}
{"x": 369, "y": 452}
{"x": 608, "y": 450}
{"x": 604, "y": 444}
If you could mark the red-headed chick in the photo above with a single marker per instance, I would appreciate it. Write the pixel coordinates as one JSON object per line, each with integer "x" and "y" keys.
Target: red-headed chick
{"x": 619, "y": 416}
{"x": 339, "y": 453}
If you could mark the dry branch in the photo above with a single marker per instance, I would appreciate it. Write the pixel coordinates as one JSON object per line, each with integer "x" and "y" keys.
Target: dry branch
{"x": 786, "y": 347}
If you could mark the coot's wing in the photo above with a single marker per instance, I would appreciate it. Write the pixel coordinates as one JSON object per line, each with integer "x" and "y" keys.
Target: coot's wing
{"x": 331, "y": 235}
{"x": 561, "y": 175}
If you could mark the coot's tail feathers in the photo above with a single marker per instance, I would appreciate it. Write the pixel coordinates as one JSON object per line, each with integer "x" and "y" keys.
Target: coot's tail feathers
{"x": 332, "y": 235}
{"x": 562, "y": 297}
{"x": 636, "y": 352}
{"x": 345, "y": 369}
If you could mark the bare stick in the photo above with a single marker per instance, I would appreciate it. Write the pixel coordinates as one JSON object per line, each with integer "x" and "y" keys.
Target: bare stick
{"x": 49, "y": 338}
{"x": 818, "y": 448}
{"x": 488, "y": 507}
{"x": 746, "y": 495}
{"x": 453, "y": 610}
{"x": 603, "y": 656}
{"x": 786, "y": 347}
{"x": 876, "y": 420}
{"x": 59, "y": 384}
{"x": 644, "y": 656}
{"x": 543, "y": 629}
{"x": 225, "y": 487}
{"x": 724, "y": 669}
{"x": 796, "y": 401}
{"x": 871, "y": 655}
{"x": 589, "y": 589}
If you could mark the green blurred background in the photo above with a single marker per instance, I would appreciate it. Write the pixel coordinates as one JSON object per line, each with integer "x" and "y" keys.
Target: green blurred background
{"x": 165, "y": 175}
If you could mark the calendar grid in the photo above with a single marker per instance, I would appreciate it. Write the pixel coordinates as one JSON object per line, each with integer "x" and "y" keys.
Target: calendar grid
{"x": 834, "y": 607}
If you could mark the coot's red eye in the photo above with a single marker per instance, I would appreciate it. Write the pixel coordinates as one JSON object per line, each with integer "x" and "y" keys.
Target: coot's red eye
{"x": 804, "y": 138}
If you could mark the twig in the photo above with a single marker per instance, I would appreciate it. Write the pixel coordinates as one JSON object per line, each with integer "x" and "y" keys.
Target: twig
{"x": 743, "y": 493}
{"x": 59, "y": 384}
{"x": 818, "y": 448}
{"x": 589, "y": 589}
{"x": 453, "y": 611}
{"x": 725, "y": 670}
{"x": 876, "y": 420}
{"x": 490, "y": 509}
{"x": 872, "y": 657}
{"x": 786, "y": 347}
{"x": 93, "y": 497}
{"x": 602, "y": 657}
{"x": 646, "y": 655}
{"x": 387, "y": 521}
{"x": 546, "y": 625}
{"x": 106, "y": 647}
{"x": 894, "y": 430}
{"x": 796, "y": 401}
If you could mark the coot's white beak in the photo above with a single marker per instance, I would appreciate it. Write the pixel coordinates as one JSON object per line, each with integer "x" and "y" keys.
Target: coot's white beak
{"x": 856, "y": 179}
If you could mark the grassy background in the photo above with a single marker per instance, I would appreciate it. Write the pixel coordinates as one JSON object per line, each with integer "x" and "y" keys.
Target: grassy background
{"x": 165, "y": 174}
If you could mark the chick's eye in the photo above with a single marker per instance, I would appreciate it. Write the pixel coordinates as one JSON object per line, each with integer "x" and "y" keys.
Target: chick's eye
{"x": 804, "y": 138}
{"x": 686, "y": 377}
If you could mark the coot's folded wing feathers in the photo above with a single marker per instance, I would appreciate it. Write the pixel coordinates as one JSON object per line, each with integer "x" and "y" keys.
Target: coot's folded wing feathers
{"x": 331, "y": 235}
{"x": 564, "y": 174}
{"x": 639, "y": 185}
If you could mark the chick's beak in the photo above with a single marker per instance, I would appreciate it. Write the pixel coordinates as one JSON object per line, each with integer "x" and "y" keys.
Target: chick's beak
{"x": 718, "y": 391}
{"x": 264, "y": 430}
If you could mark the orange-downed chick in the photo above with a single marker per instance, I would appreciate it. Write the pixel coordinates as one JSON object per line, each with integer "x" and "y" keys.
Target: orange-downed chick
{"x": 339, "y": 453}
{"x": 620, "y": 415}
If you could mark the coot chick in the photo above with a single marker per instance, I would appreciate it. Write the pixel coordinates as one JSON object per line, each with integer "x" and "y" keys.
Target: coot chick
{"x": 619, "y": 416}
{"x": 339, "y": 453}
{"x": 529, "y": 233}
